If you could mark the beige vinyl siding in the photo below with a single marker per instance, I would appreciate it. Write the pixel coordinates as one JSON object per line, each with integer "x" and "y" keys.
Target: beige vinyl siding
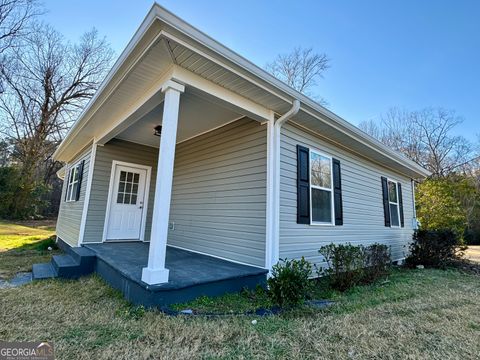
{"x": 219, "y": 193}
{"x": 362, "y": 202}
{"x": 119, "y": 150}
{"x": 70, "y": 213}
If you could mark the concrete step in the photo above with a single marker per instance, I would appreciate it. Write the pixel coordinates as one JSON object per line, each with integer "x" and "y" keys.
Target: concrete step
{"x": 43, "y": 271}
{"x": 66, "y": 266}
{"x": 85, "y": 257}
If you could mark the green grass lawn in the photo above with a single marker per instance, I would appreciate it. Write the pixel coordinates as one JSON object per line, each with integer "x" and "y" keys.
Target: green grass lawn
{"x": 23, "y": 244}
{"x": 414, "y": 314}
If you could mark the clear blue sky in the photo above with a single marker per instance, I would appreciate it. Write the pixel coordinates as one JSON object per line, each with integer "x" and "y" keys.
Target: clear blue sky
{"x": 411, "y": 54}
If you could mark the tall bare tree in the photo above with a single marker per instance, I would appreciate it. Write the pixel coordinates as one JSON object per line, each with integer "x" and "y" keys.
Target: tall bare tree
{"x": 300, "y": 69}
{"x": 14, "y": 19}
{"x": 425, "y": 136}
{"x": 47, "y": 83}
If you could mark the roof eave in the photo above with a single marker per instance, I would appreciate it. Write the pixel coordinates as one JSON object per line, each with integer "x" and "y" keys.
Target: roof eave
{"x": 288, "y": 92}
{"x": 82, "y": 119}
{"x": 276, "y": 87}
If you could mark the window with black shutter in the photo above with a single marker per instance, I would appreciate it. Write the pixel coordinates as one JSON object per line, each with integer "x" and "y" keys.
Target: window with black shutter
{"x": 74, "y": 182}
{"x": 319, "y": 188}
{"x": 392, "y": 203}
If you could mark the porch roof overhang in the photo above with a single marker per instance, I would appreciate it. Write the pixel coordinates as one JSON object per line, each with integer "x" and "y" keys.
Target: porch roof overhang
{"x": 167, "y": 48}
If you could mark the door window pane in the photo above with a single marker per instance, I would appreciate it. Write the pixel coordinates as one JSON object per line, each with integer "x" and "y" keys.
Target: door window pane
{"x": 321, "y": 206}
{"x": 120, "y": 198}
{"x": 128, "y": 188}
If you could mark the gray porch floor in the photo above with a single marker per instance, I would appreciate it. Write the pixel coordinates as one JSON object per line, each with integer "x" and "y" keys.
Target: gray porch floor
{"x": 186, "y": 268}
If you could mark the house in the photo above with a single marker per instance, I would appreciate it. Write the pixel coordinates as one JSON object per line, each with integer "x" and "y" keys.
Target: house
{"x": 193, "y": 171}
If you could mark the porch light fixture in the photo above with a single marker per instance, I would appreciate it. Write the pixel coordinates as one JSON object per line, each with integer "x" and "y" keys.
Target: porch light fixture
{"x": 158, "y": 130}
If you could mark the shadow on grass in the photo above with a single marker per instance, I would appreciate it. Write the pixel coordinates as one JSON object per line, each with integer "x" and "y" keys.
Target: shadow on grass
{"x": 41, "y": 245}
{"x": 21, "y": 258}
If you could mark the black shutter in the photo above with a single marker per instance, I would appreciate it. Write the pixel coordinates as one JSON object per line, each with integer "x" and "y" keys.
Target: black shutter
{"x": 337, "y": 192}
{"x": 400, "y": 205}
{"x": 80, "y": 176}
{"x": 65, "y": 184}
{"x": 303, "y": 185}
{"x": 386, "y": 204}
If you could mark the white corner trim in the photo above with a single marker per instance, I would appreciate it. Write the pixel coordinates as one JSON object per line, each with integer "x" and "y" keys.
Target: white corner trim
{"x": 88, "y": 190}
{"x": 270, "y": 203}
{"x": 272, "y": 241}
{"x": 111, "y": 184}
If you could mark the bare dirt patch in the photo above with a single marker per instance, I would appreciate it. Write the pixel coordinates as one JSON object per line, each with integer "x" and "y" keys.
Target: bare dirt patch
{"x": 473, "y": 253}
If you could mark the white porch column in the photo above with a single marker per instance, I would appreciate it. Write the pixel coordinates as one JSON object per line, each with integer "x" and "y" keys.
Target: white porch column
{"x": 155, "y": 272}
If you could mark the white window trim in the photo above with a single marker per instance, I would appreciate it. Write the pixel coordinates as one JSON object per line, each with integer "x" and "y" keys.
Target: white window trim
{"x": 319, "y": 223}
{"x": 75, "y": 168}
{"x": 393, "y": 203}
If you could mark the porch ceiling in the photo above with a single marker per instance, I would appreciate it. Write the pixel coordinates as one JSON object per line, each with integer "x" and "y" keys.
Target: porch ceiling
{"x": 197, "y": 115}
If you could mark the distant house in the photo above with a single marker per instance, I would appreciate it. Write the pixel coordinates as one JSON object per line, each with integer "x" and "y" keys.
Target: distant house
{"x": 190, "y": 155}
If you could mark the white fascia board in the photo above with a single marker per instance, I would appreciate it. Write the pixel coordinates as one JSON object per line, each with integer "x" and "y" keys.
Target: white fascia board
{"x": 289, "y": 94}
{"x": 239, "y": 103}
{"x": 273, "y": 85}
{"x": 61, "y": 173}
{"x": 83, "y": 119}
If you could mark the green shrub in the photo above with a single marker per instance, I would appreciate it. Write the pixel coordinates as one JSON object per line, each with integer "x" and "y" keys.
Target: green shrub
{"x": 377, "y": 262}
{"x": 289, "y": 284}
{"x": 344, "y": 265}
{"x": 434, "y": 248}
{"x": 349, "y": 265}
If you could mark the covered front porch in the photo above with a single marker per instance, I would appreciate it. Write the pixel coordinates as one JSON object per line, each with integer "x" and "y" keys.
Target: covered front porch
{"x": 190, "y": 274}
{"x": 120, "y": 264}
{"x": 176, "y": 159}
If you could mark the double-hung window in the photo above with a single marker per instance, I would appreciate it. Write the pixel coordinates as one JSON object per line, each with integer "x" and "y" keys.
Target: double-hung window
{"x": 393, "y": 203}
{"x": 321, "y": 189}
{"x": 73, "y": 182}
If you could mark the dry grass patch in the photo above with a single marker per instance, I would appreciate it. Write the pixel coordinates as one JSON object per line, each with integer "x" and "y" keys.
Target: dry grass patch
{"x": 416, "y": 314}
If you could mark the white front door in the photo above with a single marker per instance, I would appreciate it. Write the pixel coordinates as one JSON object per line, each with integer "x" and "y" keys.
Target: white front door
{"x": 126, "y": 203}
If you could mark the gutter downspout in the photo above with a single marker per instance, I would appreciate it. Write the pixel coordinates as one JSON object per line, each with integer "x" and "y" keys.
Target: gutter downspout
{"x": 273, "y": 185}
{"x": 414, "y": 220}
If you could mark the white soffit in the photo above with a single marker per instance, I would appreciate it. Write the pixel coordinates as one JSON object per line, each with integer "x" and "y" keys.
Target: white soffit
{"x": 196, "y": 116}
